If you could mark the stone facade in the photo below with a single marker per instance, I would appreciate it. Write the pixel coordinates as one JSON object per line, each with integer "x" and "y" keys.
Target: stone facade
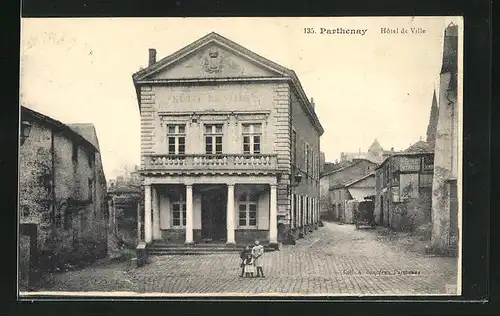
{"x": 224, "y": 133}
{"x": 62, "y": 189}
{"x": 445, "y": 232}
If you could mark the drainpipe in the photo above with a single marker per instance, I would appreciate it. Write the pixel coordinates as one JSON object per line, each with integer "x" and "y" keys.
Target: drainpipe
{"x": 54, "y": 203}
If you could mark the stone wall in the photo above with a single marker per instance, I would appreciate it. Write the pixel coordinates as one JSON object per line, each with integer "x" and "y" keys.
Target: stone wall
{"x": 63, "y": 194}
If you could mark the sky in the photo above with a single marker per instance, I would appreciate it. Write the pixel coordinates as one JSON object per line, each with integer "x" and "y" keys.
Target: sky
{"x": 364, "y": 86}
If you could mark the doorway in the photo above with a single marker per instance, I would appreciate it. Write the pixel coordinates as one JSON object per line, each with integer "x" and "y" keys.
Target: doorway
{"x": 213, "y": 213}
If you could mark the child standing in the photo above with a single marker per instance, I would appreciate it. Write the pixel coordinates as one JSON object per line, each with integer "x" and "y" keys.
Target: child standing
{"x": 243, "y": 256}
{"x": 257, "y": 253}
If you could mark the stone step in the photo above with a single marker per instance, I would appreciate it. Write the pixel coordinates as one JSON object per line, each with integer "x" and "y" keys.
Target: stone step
{"x": 168, "y": 249}
{"x": 162, "y": 244}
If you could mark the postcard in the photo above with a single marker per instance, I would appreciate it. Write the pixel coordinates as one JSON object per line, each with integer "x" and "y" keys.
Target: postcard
{"x": 246, "y": 157}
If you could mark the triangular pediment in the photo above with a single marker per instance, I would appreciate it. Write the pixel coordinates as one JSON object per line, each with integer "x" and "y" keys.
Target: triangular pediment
{"x": 212, "y": 57}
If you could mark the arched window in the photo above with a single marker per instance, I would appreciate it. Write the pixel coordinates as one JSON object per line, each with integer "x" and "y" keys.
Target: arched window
{"x": 248, "y": 210}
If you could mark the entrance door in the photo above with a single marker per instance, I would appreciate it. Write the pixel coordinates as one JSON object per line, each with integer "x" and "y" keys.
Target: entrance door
{"x": 213, "y": 213}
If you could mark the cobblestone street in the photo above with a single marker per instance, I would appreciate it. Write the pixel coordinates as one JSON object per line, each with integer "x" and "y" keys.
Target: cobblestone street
{"x": 334, "y": 260}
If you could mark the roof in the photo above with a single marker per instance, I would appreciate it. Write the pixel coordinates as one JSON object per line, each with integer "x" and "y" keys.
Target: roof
{"x": 355, "y": 162}
{"x": 330, "y": 166}
{"x": 347, "y": 184}
{"x": 27, "y": 112}
{"x": 375, "y": 146}
{"x": 418, "y": 147}
{"x": 402, "y": 154}
{"x": 239, "y": 50}
{"x": 87, "y": 130}
{"x": 371, "y": 174}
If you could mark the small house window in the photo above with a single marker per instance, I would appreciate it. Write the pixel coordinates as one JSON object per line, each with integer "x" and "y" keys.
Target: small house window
{"x": 25, "y": 211}
{"x": 91, "y": 159}
{"x": 248, "y": 211}
{"x": 427, "y": 163}
{"x": 91, "y": 189}
{"x": 75, "y": 152}
{"x": 68, "y": 220}
{"x": 306, "y": 157}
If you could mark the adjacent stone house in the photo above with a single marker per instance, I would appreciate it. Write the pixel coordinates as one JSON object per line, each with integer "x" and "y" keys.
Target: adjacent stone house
{"x": 350, "y": 171}
{"x": 229, "y": 146}
{"x": 403, "y": 188}
{"x": 62, "y": 193}
{"x": 358, "y": 190}
{"x": 125, "y": 210}
{"x": 445, "y": 188}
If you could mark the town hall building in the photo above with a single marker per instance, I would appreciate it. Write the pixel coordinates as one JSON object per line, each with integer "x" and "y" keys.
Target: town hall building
{"x": 230, "y": 147}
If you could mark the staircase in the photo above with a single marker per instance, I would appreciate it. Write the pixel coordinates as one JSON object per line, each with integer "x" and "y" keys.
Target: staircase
{"x": 158, "y": 248}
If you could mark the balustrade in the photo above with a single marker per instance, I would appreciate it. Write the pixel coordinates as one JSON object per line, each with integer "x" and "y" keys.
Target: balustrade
{"x": 217, "y": 161}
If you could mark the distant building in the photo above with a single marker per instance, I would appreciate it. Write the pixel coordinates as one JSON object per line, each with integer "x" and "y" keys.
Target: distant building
{"x": 445, "y": 233}
{"x": 358, "y": 190}
{"x": 403, "y": 188}
{"x": 375, "y": 153}
{"x": 62, "y": 192}
{"x": 345, "y": 172}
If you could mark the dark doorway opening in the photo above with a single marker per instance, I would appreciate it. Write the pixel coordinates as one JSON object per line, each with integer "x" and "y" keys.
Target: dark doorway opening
{"x": 213, "y": 212}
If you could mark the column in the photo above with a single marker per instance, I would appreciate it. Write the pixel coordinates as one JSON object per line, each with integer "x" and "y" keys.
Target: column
{"x": 189, "y": 214}
{"x": 147, "y": 214}
{"x": 315, "y": 215}
{"x": 273, "y": 215}
{"x": 292, "y": 210}
{"x": 230, "y": 214}
{"x": 111, "y": 216}
{"x": 139, "y": 237}
{"x": 299, "y": 211}
{"x": 156, "y": 214}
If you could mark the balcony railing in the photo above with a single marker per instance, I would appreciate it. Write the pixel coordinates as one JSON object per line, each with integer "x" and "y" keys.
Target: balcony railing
{"x": 258, "y": 162}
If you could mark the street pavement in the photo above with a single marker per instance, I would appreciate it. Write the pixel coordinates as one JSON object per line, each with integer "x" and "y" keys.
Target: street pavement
{"x": 333, "y": 260}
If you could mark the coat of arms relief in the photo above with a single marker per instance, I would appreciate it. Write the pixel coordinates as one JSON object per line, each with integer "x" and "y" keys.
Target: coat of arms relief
{"x": 213, "y": 62}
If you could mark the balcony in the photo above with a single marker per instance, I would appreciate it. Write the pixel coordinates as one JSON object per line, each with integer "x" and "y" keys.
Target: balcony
{"x": 202, "y": 163}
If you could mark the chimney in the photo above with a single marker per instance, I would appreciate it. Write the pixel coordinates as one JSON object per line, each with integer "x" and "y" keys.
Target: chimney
{"x": 152, "y": 56}
{"x": 312, "y": 103}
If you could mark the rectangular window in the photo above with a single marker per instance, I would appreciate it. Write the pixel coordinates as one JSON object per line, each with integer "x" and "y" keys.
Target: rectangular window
{"x": 68, "y": 220}
{"x": 427, "y": 163}
{"x": 313, "y": 163}
{"x": 91, "y": 159}
{"x": 247, "y": 210}
{"x": 91, "y": 190}
{"x": 74, "y": 155}
{"x": 251, "y": 138}
{"x": 395, "y": 178}
{"x": 294, "y": 147}
{"x": 213, "y": 139}
{"x": 176, "y": 138}
{"x": 306, "y": 157}
{"x": 179, "y": 213}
